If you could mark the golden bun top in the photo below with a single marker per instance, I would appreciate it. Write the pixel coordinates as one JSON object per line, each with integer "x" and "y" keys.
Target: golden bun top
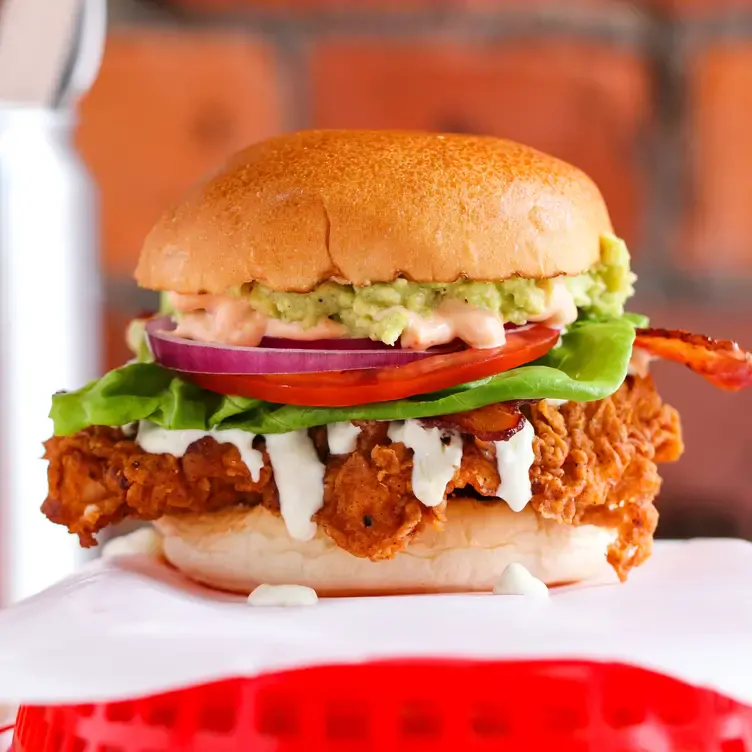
{"x": 369, "y": 206}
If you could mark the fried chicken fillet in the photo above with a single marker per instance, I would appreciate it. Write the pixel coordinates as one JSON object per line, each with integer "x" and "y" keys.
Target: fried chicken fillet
{"x": 595, "y": 464}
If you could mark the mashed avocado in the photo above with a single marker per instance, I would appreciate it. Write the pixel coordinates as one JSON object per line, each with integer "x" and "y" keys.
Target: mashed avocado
{"x": 381, "y": 311}
{"x": 603, "y": 290}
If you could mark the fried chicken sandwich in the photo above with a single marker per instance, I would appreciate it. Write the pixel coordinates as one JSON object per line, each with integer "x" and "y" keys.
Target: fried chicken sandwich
{"x": 385, "y": 362}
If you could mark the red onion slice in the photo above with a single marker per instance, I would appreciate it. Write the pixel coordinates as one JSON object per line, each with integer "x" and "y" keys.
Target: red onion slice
{"x": 180, "y": 354}
{"x": 343, "y": 343}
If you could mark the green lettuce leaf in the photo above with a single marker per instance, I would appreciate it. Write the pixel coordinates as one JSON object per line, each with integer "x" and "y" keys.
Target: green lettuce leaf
{"x": 590, "y": 364}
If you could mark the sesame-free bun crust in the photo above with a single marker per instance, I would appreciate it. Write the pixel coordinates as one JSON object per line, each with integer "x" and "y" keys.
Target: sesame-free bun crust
{"x": 240, "y": 548}
{"x": 369, "y": 206}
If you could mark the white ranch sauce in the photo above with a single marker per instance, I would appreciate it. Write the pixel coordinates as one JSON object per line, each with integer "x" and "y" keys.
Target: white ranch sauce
{"x": 342, "y": 437}
{"x": 434, "y": 463}
{"x": 514, "y": 458}
{"x": 156, "y": 440}
{"x": 283, "y": 595}
{"x": 299, "y": 475}
{"x": 146, "y": 541}
{"x": 516, "y": 580}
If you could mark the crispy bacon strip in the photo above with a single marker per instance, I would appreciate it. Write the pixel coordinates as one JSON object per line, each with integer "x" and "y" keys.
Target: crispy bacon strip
{"x": 498, "y": 422}
{"x": 722, "y": 362}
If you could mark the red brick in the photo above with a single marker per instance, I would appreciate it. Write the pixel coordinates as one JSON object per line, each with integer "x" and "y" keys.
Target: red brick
{"x": 165, "y": 109}
{"x": 582, "y": 101}
{"x": 717, "y": 232}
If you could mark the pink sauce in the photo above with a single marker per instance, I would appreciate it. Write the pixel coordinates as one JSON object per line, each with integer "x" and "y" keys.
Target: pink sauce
{"x": 452, "y": 320}
{"x": 233, "y": 321}
{"x": 561, "y": 310}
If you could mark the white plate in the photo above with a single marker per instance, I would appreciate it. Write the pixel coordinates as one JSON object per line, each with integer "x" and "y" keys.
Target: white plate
{"x": 132, "y": 626}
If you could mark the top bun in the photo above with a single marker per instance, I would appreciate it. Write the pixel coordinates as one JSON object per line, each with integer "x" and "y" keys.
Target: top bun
{"x": 369, "y": 206}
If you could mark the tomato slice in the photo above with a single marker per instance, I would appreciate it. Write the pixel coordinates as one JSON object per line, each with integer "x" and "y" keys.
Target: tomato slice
{"x": 359, "y": 387}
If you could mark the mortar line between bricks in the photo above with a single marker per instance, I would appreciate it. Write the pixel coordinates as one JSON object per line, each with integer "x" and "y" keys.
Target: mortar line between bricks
{"x": 489, "y": 26}
{"x": 663, "y": 204}
{"x": 500, "y": 24}
{"x": 727, "y": 26}
{"x": 724, "y": 23}
{"x": 295, "y": 85}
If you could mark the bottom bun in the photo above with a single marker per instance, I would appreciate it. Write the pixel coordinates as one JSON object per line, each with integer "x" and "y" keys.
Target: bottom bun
{"x": 240, "y": 548}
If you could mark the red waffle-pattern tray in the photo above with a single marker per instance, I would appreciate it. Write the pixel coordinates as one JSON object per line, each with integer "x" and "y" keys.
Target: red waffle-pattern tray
{"x": 457, "y": 706}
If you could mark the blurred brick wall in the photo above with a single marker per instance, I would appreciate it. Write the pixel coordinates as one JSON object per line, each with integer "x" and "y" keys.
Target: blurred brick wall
{"x": 653, "y": 99}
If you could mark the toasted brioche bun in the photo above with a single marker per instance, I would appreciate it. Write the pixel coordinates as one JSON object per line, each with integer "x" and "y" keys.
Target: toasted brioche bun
{"x": 369, "y": 206}
{"x": 240, "y": 548}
